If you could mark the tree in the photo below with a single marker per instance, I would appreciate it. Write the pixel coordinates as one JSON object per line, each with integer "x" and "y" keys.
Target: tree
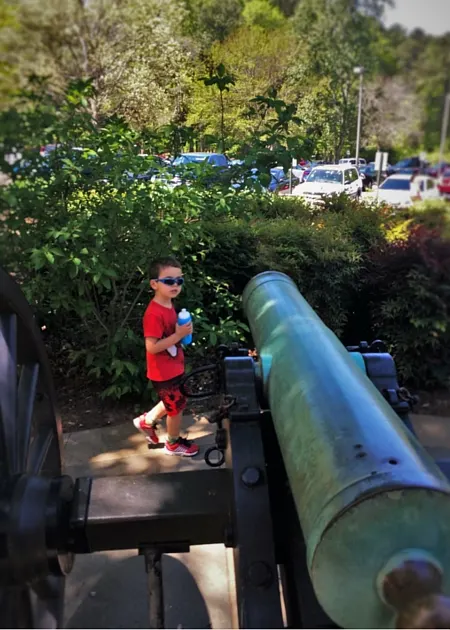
{"x": 258, "y": 60}
{"x": 8, "y": 32}
{"x": 131, "y": 49}
{"x": 392, "y": 113}
{"x": 212, "y": 20}
{"x": 287, "y": 7}
{"x": 262, "y": 13}
{"x": 334, "y": 37}
{"x": 222, "y": 81}
{"x": 433, "y": 82}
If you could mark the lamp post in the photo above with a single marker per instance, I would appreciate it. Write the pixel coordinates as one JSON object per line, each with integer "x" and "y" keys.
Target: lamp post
{"x": 359, "y": 70}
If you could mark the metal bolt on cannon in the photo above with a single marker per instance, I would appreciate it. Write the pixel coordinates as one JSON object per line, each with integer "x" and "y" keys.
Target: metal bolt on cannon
{"x": 337, "y": 515}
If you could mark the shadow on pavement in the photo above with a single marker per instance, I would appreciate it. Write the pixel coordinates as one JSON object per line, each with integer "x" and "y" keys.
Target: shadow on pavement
{"x": 118, "y": 597}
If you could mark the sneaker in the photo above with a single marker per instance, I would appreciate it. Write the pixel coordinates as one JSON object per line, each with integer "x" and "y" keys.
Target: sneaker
{"x": 182, "y": 447}
{"x": 149, "y": 430}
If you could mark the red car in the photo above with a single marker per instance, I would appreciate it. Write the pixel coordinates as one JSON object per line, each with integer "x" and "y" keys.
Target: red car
{"x": 444, "y": 183}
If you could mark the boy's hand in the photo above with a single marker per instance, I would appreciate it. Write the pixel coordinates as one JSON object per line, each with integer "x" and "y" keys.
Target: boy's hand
{"x": 183, "y": 331}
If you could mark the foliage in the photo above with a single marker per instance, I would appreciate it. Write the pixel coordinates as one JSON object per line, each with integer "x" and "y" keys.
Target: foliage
{"x": 433, "y": 215}
{"x": 144, "y": 59}
{"x": 78, "y": 230}
{"x": 78, "y": 233}
{"x": 421, "y": 60}
{"x": 220, "y": 79}
{"x": 262, "y": 13}
{"x": 257, "y": 60}
{"x": 392, "y": 113}
{"x": 213, "y": 20}
{"x": 408, "y": 293}
{"x": 272, "y": 143}
{"x": 132, "y": 50}
{"x": 337, "y": 38}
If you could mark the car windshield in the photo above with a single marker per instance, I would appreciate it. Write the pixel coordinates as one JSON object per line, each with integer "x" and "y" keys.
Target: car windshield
{"x": 189, "y": 159}
{"x": 325, "y": 175}
{"x": 395, "y": 184}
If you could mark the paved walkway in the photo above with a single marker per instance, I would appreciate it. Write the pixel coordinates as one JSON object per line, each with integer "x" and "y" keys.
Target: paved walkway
{"x": 109, "y": 590}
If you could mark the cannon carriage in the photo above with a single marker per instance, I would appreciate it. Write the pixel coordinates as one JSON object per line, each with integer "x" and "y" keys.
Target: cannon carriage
{"x": 337, "y": 515}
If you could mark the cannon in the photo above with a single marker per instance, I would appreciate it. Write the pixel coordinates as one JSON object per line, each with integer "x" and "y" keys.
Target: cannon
{"x": 337, "y": 516}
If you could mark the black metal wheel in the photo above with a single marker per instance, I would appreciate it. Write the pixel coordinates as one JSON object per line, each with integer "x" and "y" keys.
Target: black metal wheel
{"x": 214, "y": 457}
{"x": 34, "y": 496}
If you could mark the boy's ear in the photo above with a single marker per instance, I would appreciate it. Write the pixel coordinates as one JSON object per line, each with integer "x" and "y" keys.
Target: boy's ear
{"x": 153, "y": 284}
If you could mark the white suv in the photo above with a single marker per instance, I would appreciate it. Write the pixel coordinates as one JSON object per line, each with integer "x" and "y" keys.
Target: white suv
{"x": 327, "y": 180}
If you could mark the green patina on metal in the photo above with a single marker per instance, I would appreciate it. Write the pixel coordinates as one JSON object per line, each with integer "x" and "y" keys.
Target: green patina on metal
{"x": 359, "y": 361}
{"x": 364, "y": 488}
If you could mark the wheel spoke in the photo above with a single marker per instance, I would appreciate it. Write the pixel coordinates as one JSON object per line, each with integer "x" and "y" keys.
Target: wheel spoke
{"x": 26, "y": 398}
{"x": 40, "y": 449}
{"x": 8, "y": 390}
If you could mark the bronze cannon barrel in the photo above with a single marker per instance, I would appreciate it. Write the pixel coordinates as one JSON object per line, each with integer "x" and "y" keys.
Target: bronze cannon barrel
{"x": 373, "y": 506}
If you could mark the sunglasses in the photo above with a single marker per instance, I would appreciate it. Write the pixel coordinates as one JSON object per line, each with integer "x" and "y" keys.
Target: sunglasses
{"x": 170, "y": 282}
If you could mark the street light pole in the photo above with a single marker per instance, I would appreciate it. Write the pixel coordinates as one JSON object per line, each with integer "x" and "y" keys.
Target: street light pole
{"x": 359, "y": 70}
{"x": 444, "y": 129}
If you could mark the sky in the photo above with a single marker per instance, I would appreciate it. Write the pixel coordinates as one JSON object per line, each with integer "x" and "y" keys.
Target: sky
{"x": 432, "y": 16}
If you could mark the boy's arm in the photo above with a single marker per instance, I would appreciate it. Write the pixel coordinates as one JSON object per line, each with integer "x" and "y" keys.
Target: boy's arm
{"x": 153, "y": 345}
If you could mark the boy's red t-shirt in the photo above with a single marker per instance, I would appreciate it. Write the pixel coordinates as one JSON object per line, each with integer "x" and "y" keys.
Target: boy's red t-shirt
{"x": 159, "y": 321}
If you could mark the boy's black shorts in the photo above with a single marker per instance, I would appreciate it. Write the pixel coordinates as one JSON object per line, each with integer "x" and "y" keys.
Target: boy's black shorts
{"x": 169, "y": 392}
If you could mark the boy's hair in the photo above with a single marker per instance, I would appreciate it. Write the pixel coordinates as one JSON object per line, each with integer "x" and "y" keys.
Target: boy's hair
{"x": 156, "y": 266}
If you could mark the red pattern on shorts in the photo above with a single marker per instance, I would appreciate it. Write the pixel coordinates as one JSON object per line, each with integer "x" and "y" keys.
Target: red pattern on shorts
{"x": 169, "y": 392}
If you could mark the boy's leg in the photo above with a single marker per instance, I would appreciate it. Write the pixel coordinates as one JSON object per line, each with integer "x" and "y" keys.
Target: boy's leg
{"x": 174, "y": 401}
{"x": 158, "y": 412}
{"x": 147, "y": 422}
{"x": 173, "y": 427}
{"x": 175, "y": 444}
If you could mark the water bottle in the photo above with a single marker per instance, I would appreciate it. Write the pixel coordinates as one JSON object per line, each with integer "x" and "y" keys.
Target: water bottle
{"x": 184, "y": 317}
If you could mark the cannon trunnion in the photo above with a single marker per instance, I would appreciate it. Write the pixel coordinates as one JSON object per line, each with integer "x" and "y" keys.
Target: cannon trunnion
{"x": 336, "y": 514}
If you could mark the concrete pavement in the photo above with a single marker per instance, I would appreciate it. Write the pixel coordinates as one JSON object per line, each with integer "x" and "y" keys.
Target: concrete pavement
{"x": 109, "y": 590}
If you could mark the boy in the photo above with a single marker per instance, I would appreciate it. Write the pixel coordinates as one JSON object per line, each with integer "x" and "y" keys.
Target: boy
{"x": 165, "y": 358}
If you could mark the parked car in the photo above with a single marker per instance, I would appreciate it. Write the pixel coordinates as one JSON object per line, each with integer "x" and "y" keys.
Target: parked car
{"x": 371, "y": 175}
{"x": 279, "y": 181}
{"x": 324, "y": 181}
{"x": 405, "y": 189}
{"x": 444, "y": 183}
{"x": 213, "y": 159}
{"x": 436, "y": 170}
{"x": 179, "y": 172}
{"x": 158, "y": 164}
{"x": 299, "y": 172}
{"x": 308, "y": 167}
{"x": 284, "y": 184}
{"x": 352, "y": 160}
{"x": 409, "y": 166}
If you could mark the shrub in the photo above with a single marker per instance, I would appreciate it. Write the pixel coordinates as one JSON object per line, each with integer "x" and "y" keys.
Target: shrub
{"x": 80, "y": 245}
{"x": 408, "y": 292}
{"x": 322, "y": 262}
{"x": 280, "y": 207}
